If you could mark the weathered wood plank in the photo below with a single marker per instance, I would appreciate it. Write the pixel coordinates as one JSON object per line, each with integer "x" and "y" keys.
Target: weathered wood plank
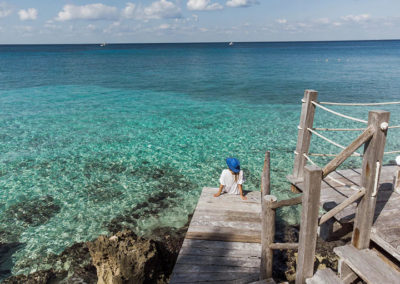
{"x": 324, "y": 276}
{"x": 284, "y": 246}
{"x": 245, "y": 253}
{"x": 267, "y": 236}
{"x": 219, "y": 261}
{"x": 349, "y": 150}
{"x": 194, "y": 268}
{"x": 372, "y": 159}
{"x": 309, "y": 223}
{"x": 341, "y": 206}
{"x": 212, "y": 277}
{"x": 266, "y": 176}
{"x": 304, "y": 136}
{"x": 288, "y": 202}
{"x": 224, "y": 234}
{"x": 367, "y": 265}
{"x": 220, "y": 245}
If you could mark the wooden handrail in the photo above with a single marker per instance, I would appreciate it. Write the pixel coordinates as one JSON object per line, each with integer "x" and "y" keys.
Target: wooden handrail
{"x": 341, "y": 206}
{"x": 284, "y": 246}
{"x": 287, "y": 202}
{"x": 357, "y": 143}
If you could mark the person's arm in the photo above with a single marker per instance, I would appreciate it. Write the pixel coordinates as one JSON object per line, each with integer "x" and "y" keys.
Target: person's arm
{"x": 219, "y": 191}
{"x": 241, "y": 192}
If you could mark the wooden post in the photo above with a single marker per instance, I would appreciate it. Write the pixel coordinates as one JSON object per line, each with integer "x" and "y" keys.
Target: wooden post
{"x": 266, "y": 176}
{"x": 304, "y": 136}
{"x": 309, "y": 223}
{"x": 267, "y": 236}
{"x": 372, "y": 161}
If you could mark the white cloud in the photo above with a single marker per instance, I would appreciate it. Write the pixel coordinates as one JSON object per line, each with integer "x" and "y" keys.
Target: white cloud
{"x": 203, "y": 5}
{"x": 357, "y": 18}
{"x": 241, "y": 3}
{"x": 29, "y": 14}
{"x": 91, "y": 27}
{"x": 5, "y": 10}
{"x": 129, "y": 10}
{"x": 324, "y": 21}
{"x": 281, "y": 21}
{"x": 161, "y": 9}
{"x": 164, "y": 26}
{"x": 96, "y": 11}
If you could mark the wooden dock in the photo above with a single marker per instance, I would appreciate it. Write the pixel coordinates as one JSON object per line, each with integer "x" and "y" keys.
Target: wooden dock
{"x": 222, "y": 244}
{"x": 385, "y": 230}
{"x": 232, "y": 241}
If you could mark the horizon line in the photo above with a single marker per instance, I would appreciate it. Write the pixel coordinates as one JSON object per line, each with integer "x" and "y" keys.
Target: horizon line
{"x": 202, "y": 42}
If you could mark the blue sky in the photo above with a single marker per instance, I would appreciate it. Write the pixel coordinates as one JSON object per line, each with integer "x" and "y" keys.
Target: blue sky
{"x": 84, "y": 21}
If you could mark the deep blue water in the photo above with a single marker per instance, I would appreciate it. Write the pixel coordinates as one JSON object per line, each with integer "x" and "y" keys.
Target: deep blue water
{"x": 91, "y": 136}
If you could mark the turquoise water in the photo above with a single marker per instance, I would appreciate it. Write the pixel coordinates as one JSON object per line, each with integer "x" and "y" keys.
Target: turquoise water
{"x": 94, "y": 139}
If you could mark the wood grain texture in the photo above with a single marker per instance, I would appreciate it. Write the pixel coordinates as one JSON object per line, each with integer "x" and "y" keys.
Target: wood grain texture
{"x": 304, "y": 136}
{"x": 222, "y": 244}
{"x": 367, "y": 265}
{"x": 385, "y": 230}
{"x": 373, "y": 153}
{"x": 324, "y": 276}
{"x": 309, "y": 223}
{"x": 348, "y": 151}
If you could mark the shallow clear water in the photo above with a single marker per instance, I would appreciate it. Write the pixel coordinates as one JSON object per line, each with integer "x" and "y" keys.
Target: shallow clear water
{"x": 95, "y": 139}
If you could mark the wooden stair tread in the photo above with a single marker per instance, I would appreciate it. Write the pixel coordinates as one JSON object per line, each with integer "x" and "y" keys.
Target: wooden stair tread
{"x": 367, "y": 265}
{"x": 324, "y": 276}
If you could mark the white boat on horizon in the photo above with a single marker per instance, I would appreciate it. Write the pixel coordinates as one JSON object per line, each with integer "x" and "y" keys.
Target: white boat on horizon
{"x": 231, "y": 43}
{"x": 103, "y": 44}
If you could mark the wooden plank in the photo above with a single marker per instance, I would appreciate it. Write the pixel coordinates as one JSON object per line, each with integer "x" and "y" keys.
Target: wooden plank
{"x": 245, "y": 253}
{"x": 284, "y": 246}
{"x": 213, "y": 277}
{"x": 348, "y": 151}
{"x": 221, "y": 245}
{"x": 373, "y": 153}
{"x": 309, "y": 223}
{"x": 194, "y": 268}
{"x": 219, "y": 261}
{"x": 324, "y": 276}
{"x": 266, "y": 176}
{"x": 367, "y": 265}
{"x": 205, "y": 222}
{"x": 341, "y": 206}
{"x": 223, "y": 234}
{"x": 267, "y": 236}
{"x": 304, "y": 136}
{"x": 288, "y": 202}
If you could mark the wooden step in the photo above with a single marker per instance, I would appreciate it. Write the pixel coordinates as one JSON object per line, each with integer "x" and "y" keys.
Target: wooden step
{"x": 367, "y": 265}
{"x": 264, "y": 281}
{"x": 324, "y": 276}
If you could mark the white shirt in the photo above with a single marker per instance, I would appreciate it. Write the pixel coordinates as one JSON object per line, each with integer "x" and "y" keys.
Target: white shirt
{"x": 227, "y": 179}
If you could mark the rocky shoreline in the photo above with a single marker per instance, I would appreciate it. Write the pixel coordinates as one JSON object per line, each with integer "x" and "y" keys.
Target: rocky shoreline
{"x": 121, "y": 258}
{"x": 125, "y": 257}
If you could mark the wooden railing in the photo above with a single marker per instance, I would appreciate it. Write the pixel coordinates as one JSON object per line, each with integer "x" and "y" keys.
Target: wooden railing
{"x": 373, "y": 138}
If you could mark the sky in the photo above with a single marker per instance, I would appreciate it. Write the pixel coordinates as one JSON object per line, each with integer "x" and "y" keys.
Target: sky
{"x": 151, "y": 21}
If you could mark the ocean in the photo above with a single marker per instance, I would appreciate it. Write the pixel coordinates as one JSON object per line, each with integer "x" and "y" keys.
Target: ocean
{"x": 95, "y": 139}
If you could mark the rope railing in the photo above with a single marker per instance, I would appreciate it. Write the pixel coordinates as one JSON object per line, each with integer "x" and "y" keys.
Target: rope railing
{"x": 339, "y": 114}
{"x": 331, "y": 155}
{"x": 359, "y": 104}
{"x": 395, "y": 126}
{"x": 392, "y": 152}
{"x": 354, "y": 187}
{"x": 330, "y": 141}
{"x": 338, "y": 129}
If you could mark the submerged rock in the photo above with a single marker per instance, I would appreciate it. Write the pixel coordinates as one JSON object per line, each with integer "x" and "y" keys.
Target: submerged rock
{"x": 33, "y": 212}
